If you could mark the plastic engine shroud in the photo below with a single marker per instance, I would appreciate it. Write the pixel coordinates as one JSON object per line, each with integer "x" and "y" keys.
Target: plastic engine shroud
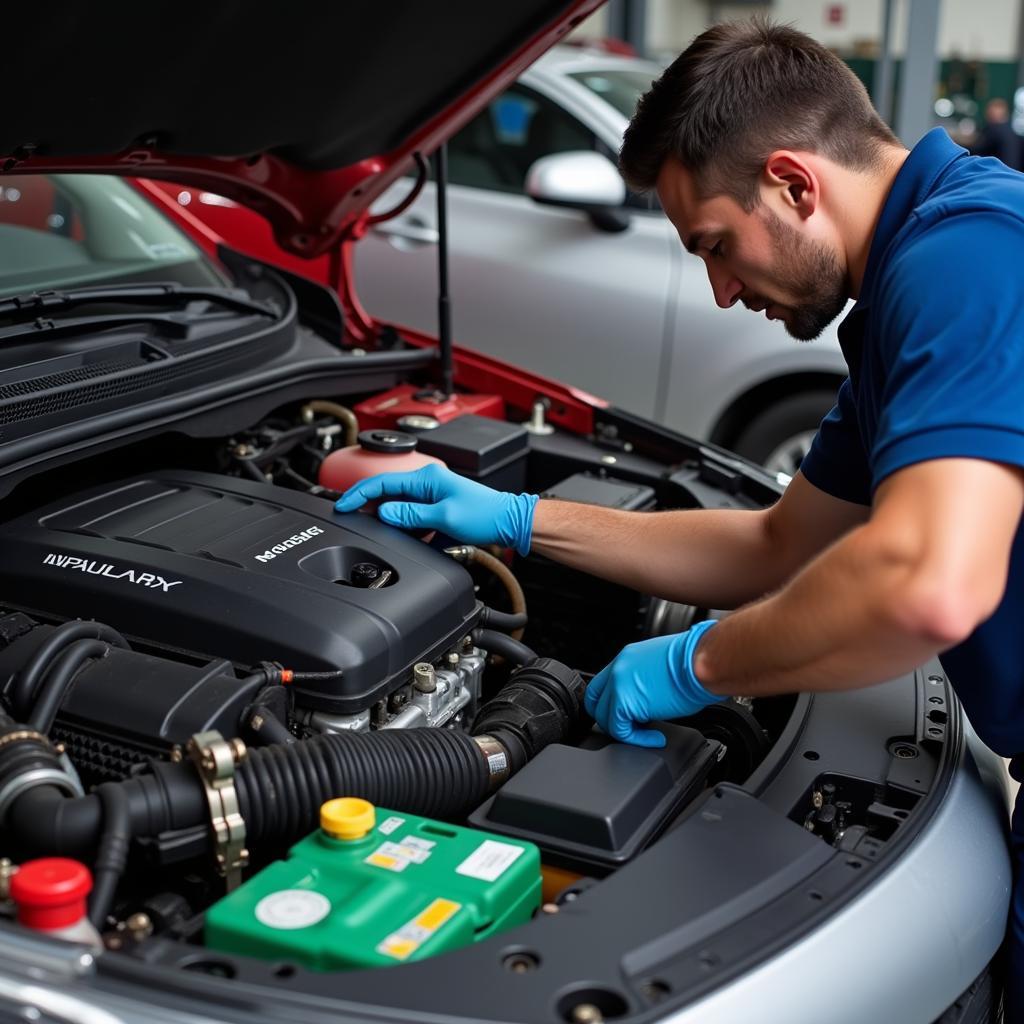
{"x": 244, "y": 571}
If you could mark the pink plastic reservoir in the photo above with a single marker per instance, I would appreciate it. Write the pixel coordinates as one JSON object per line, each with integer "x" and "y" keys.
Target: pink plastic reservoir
{"x": 378, "y": 451}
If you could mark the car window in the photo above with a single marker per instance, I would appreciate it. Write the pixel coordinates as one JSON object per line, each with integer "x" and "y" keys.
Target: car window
{"x": 68, "y": 230}
{"x": 496, "y": 148}
{"x": 622, "y": 89}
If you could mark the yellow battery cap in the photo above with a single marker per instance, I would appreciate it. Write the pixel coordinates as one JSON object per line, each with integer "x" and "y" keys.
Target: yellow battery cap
{"x": 347, "y": 817}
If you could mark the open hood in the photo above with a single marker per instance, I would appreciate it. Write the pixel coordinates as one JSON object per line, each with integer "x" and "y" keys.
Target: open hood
{"x": 305, "y": 111}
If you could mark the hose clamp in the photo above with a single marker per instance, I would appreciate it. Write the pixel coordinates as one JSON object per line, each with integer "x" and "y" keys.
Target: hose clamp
{"x": 215, "y": 759}
{"x": 496, "y": 756}
{"x": 24, "y": 781}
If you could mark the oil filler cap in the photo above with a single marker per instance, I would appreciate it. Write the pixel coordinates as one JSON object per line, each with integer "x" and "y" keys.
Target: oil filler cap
{"x": 50, "y": 892}
{"x": 347, "y": 817}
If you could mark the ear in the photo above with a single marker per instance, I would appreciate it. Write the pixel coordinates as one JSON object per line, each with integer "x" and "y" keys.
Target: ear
{"x": 792, "y": 179}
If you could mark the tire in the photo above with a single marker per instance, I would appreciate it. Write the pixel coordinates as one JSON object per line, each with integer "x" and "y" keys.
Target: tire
{"x": 779, "y": 435}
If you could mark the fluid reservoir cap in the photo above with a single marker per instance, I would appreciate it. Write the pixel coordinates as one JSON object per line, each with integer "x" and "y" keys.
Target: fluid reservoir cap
{"x": 50, "y": 892}
{"x": 347, "y": 817}
{"x": 387, "y": 441}
{"x": 417, "y": 421}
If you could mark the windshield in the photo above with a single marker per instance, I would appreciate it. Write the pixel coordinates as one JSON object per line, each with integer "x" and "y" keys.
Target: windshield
{"x": 621, "y": 88}
{"x": 69, "y": 230}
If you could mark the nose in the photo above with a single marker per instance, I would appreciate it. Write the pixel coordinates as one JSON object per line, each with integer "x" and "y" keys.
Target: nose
{"x": 727, "y": 288}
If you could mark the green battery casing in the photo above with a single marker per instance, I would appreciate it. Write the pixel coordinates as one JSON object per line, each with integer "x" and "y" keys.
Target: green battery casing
{"x": 409, "y": 889}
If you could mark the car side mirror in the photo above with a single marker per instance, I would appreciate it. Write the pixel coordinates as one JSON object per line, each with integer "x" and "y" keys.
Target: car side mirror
{"x": 581, "y": 180}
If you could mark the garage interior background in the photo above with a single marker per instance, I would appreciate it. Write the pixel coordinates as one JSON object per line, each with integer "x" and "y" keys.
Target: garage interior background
{"x": 971, "y": 51}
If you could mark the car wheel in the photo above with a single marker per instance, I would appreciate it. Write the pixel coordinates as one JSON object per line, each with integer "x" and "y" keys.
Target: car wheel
{"x": 779, "y": 436}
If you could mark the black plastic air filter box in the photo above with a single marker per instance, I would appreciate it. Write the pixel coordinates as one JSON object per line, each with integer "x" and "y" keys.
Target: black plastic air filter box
{"x": 491, "y": 451}
{"x": 592, "y": 808}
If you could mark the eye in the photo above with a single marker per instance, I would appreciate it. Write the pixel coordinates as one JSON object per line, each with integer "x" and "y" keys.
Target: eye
{"x": 716, "y": 249}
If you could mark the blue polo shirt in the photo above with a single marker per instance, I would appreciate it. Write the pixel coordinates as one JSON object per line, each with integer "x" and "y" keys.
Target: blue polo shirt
{"x": 935, "y": 347}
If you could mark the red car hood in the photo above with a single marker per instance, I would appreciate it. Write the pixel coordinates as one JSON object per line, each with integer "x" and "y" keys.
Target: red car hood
{"x": 303, "y": 111}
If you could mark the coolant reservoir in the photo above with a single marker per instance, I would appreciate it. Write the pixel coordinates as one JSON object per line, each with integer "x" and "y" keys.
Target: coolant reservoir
{"x": 373, "y": 888}
{"x": 378, "y": 451}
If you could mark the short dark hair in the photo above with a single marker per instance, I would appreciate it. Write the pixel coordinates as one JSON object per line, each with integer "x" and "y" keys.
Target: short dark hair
{"x": 741, "y": 90}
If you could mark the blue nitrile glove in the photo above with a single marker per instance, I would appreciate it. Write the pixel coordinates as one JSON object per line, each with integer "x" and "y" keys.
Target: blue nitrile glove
{"x": 648, "y": 682}
{"x": 443, "y": 500}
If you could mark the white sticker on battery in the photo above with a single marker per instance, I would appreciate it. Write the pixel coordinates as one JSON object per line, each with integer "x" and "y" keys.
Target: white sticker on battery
{"x": 404, "y": 852}
{"x": 401, "y": 944}
{"x": 289, "y": 909}
{"x": 390, "y": 824}
{"x": 490, "y": 860}
{"x": 416, "y": 841}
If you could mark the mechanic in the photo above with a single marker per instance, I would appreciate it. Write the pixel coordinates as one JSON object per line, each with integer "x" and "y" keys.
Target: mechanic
{"x": 900, "y": 536}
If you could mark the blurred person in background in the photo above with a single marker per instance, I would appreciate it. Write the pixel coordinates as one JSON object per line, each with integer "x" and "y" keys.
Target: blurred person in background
{"x": 998, "y": 138}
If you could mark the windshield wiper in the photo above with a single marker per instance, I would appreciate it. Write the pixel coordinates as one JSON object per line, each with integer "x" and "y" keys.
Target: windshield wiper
{"x": 44, "y": 304}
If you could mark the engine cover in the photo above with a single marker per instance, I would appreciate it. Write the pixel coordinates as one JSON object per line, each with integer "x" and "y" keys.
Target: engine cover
{"x": 245, "y": 571}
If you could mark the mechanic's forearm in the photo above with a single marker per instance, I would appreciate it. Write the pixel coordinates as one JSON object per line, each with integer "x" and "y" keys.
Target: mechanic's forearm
{"x": 709, "y": 558}
{"x": 855, "y": 616}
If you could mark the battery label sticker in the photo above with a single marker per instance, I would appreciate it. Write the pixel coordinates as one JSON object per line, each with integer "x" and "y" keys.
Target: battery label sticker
{"x": 381, "y": 859}
{"x": 401, "y": 944}
{"x": 417, "y": 843}
{"x": 490, "y": 860}
{"x": 289, "y": 909}
{"x": 398, "y": 856}
{"x": 390, "y": 825}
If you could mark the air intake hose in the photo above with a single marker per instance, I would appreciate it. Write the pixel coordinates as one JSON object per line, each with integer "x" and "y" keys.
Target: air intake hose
{"x": 434, "y": 772}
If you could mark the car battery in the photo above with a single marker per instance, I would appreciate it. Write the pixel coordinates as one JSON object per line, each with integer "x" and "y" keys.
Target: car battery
{"x": 385, "y": 410}
{"x": 373, "y": 888}
{"x": 491, "y": 451}
{"x": 593, "y": 808}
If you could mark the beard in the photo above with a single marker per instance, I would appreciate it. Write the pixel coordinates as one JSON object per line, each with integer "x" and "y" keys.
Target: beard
{"x": 814, "y": 276}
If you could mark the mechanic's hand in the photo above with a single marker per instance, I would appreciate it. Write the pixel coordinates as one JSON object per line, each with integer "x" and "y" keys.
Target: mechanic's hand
{"x": 443, "y": 500}
{"x": 647, "y": 682}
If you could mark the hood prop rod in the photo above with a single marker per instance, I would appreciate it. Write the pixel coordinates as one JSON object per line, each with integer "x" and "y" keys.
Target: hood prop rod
{"x": 444, "y": 314}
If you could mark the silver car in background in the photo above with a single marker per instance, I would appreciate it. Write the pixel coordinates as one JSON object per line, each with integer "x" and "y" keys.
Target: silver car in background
{"x": 546, "y": 274}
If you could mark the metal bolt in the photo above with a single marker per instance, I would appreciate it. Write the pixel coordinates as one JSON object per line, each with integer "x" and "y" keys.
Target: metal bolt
{"x": 139, "y": 926}
{"x": 8, "y": 869}
{"x": 423, "y": 677}
{"x": 397, "y": 701}
{"x": 176, "y": 754}
{"x": 256, "y": 722}
{"x": 238, "y": 750}
{"x": 467, "y": 645}
{"x": 587, "y": 1013}
{"x": 243, "y": 451}
{"x": 452, "y": 659}
{"x": 59, "y": 748}
{"x": 208, "y": 764}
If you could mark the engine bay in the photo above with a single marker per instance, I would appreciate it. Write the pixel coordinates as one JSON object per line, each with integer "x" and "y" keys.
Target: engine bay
{"x": 283, "y": 736}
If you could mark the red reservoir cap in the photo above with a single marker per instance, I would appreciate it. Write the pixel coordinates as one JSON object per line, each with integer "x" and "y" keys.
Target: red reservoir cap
{"x": 50, "y": 892}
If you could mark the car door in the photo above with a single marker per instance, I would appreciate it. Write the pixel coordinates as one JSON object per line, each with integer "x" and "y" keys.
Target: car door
{"x": 540, "y": 286}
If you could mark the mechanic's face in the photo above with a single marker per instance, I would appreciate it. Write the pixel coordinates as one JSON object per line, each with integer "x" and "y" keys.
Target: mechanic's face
{"x": 787, "y": 272}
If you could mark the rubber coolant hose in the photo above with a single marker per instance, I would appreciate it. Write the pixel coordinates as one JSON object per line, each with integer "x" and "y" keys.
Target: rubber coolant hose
{"x": 339, "y": 412}
{"x": 27, "y": 679}
{"x": 57, "y": 682}
{"x": 509, "y": 648}
{"x": 113, "y": 852}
